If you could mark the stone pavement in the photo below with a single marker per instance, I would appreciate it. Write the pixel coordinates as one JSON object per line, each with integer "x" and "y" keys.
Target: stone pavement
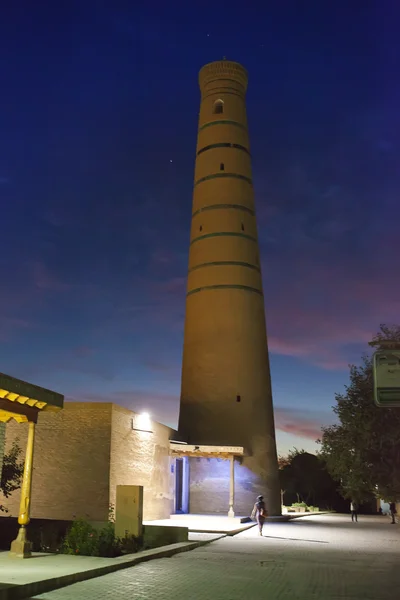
{"x": 44, "y": 572}
{"x": 323, "y": 557}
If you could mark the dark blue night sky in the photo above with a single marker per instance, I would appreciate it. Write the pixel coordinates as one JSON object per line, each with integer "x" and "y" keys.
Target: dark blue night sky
{"x": 98, "y": 123}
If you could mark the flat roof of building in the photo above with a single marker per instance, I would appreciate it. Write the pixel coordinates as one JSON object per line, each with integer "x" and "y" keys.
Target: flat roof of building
{"x": 181, "y": 449}
{"x": 18, "y": 399}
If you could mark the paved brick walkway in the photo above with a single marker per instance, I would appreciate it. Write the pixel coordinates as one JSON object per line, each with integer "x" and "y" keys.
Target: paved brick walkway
{"x": 324, "y": 558}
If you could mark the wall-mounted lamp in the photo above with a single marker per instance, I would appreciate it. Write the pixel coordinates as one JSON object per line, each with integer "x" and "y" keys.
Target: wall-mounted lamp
{"x": 142, "y": 423}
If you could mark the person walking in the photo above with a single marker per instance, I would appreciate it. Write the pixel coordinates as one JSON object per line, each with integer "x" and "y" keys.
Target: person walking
{"x": 354, "y": 511}
{"x": 259, "y": 513}
{"x": 393, "y": 511}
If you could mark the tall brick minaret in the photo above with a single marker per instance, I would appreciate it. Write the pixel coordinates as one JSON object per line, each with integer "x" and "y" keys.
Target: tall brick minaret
{"x": 226, "y": 385}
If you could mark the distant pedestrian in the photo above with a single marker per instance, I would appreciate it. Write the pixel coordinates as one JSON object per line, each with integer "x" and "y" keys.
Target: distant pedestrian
{"x": 354, "y": 511}
{"x": 393, "y": 511}
{"x": 260, "y": 513}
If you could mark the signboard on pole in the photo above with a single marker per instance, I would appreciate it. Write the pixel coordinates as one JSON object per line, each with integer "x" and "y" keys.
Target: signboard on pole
{"x": 386, "y": 368}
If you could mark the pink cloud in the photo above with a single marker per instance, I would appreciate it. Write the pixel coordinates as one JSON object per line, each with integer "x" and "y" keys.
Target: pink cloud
{"x": 159, "y": 366}
{"x": 164, "y": 304}
{"x": 16, "y": 308}
{"x": 175, "y": 286}
{"x": 163, "y": 370}
{"x": 162, "y": 257}
{"x": 300, "y": 423}
{"x": 299, "y": 349}
{"x": 83, "y": 351}
{"x": 43, "y": 279}
{"x": 325, "y": 295}
{"x": 318, "y": 311}
{"x": 322, "y": 347}
{"x": 10, "y": 325}
{"x": 80, "y": 360}
{"x": 15, "y": 322}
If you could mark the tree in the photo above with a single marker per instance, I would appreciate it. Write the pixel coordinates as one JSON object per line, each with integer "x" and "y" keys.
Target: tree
{"x": 304, "y": 477}
{"x": 387, "y": 333}
{"x": 11, "y": 475}
{"x": 287, "y": 474}
{"x": 283, "y": 461}
{"x": 362, "y": 451}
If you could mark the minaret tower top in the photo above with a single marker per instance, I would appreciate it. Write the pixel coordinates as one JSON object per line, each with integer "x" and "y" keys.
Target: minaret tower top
{"x": 223, "y": 74}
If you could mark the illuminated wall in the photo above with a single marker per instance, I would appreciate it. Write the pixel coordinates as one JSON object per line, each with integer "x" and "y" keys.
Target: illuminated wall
{"x": 83, "y": 452}
{"x": 142, "y": 458}
{"x": 209, "y": 487}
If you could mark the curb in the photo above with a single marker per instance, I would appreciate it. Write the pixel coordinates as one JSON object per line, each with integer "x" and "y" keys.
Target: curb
{"x": 230, "y": 533}
{"x": 309, "y": 514}
{"x": 30, "y": 590}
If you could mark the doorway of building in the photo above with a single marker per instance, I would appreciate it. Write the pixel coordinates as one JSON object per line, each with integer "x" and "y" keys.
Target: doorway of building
{"x": 181, "y": 485}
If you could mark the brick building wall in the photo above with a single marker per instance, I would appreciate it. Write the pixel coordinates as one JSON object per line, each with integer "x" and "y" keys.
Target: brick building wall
{"x": 142, "y": 458}
{"x": 83, "y": 452}
{"x": 209, "y": 486}
{"x": 70, "y": 465}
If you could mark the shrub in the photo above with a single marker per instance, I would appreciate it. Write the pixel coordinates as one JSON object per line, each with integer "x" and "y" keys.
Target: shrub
{"x": 83, "y": 539}
{"x": 131, "y": 544}
{"x": 11, "y": 473}
{"x": 107, "y": 544}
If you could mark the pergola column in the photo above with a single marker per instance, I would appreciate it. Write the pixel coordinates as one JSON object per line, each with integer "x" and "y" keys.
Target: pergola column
{"x": 21, "y": 547}
{"x": 2, "y": 444}
{"x": 231, "y": 512}
{"x": 23, "y": 402}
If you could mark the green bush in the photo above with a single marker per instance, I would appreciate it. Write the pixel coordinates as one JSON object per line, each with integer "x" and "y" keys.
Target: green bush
{"x": 108, "y": 544}
{"x": 300, "y": 504}
{"x": 130, "y": 544}
{"x": 83, "y": 539}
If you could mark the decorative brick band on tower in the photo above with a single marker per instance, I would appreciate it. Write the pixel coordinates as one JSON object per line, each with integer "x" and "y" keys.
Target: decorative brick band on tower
{"x": 226, "y": 386}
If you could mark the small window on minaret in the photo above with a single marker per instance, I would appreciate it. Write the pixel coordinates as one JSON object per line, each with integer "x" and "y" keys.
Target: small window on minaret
{"x": 218, "y": 107}
{"x": 242, "y": 227}
{"x": 222, "y": 167}
{"x": 238, "y": 398}
{"x": 201, "y": 228}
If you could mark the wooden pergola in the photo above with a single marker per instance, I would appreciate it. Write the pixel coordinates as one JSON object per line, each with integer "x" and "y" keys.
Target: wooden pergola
{"x": 226, "y": 452}
{"x": 23, "y": 402}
